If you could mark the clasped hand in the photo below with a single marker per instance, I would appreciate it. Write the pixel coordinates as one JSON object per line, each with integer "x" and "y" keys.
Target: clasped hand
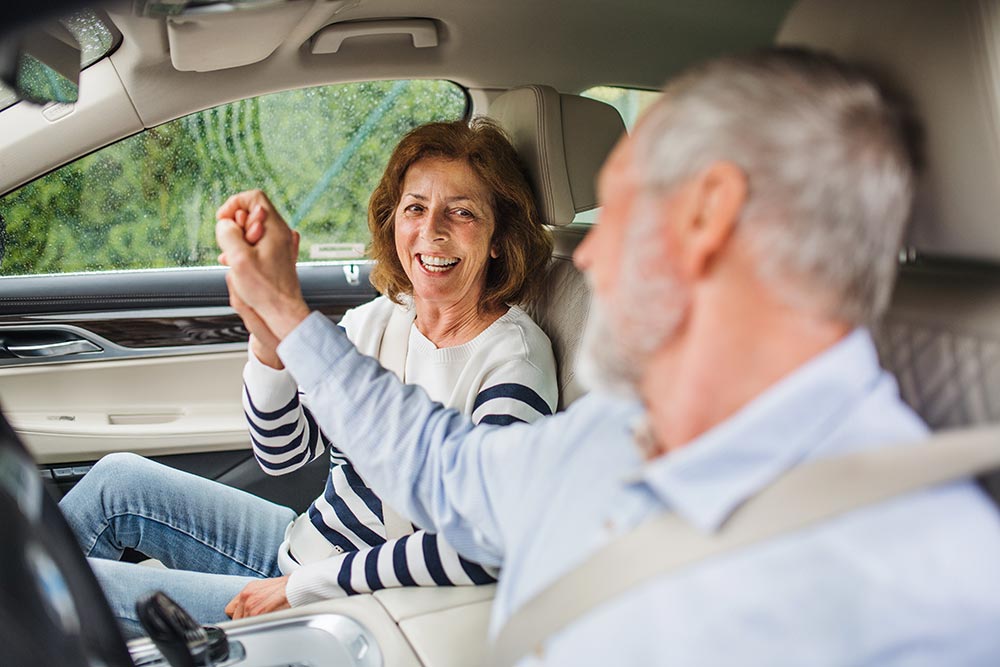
{"x": 260, "y": 250}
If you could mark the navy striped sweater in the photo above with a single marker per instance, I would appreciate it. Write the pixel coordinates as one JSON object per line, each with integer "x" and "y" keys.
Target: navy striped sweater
{"x": 339, "y": 546}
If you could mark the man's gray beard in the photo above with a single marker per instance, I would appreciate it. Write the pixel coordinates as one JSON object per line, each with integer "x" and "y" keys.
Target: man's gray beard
{"x": 601, "y": 363}
{"x": 619, "y": 338}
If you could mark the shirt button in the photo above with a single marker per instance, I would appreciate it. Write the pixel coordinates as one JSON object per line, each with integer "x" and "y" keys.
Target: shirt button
{"x": 609, "y": 526}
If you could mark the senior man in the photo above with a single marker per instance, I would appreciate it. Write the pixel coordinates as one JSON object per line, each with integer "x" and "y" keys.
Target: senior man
{"x": 748, "y": 235}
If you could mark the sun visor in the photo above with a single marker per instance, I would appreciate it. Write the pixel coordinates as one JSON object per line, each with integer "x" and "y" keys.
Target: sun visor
{"x": 203, "y": 40}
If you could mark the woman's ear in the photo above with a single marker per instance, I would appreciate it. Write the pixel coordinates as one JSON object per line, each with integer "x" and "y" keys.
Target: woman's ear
{"x": 494, "y": 252}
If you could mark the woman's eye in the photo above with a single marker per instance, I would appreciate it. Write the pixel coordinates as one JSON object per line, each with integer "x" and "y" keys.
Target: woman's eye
{"x": 464, "y": 213}
{"x": 414, "y": 208}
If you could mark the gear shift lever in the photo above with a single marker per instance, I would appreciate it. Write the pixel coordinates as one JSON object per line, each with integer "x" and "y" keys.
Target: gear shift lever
{"x": 181, "y": 641}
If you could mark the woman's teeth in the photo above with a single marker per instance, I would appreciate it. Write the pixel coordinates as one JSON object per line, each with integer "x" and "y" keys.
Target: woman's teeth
{"x": 437, "y": 264}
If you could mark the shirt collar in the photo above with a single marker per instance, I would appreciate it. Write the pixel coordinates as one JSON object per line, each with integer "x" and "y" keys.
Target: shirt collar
{"x": 706, "y": 480}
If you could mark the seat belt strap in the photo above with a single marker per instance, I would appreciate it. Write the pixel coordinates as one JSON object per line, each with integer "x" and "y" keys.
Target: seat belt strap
{"x": 803, "y": 496}
{"x": 392, "y": 355}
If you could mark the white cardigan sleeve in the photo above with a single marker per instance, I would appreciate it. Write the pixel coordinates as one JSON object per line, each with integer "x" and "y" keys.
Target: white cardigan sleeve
{"x": 283, "y": 432}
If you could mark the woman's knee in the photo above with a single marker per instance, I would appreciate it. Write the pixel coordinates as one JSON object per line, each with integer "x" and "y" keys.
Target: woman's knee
{"x": 119, "y": 464}
{"x": 122, "y": 469}
{"x": 108, "y": 481}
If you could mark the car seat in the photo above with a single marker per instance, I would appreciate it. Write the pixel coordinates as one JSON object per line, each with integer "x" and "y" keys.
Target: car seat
{"x": 941, "y": 335}
{"x": 563, "y": 140}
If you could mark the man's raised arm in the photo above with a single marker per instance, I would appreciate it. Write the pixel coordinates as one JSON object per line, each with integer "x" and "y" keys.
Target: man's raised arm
{"x": 422, "y": 459}
{"x": 426, "y": 461}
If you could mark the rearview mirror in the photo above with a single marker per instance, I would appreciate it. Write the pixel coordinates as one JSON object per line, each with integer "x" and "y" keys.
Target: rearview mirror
{"x": 41, "y": 64}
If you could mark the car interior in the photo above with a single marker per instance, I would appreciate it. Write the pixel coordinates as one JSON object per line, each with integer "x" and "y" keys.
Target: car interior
{"x": 150, "y": 360}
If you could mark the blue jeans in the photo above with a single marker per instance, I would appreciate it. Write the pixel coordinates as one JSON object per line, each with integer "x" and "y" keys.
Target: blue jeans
{"x": 213, "y": 538}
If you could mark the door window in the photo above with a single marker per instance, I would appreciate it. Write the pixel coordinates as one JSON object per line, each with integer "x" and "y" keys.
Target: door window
{"x": 149, "y": 201}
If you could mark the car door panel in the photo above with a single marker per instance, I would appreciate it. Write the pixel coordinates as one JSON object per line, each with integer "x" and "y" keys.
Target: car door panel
{"x": 153, "y": 406}
{"x": 148, "y": 362}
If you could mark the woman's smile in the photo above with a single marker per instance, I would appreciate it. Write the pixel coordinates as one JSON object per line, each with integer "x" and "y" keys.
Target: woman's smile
{"x": 436, "y": 264}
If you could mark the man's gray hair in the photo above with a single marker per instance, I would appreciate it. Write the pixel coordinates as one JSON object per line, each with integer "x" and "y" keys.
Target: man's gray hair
{"x": 828, "y": 160}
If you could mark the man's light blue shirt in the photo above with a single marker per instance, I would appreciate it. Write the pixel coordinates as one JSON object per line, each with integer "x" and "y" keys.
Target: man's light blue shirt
{"x": 913, "y": 581}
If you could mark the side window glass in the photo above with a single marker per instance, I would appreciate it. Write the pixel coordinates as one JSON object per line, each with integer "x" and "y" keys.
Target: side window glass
{"x": 149, "y": 201}
{"x": 630, "y": 103}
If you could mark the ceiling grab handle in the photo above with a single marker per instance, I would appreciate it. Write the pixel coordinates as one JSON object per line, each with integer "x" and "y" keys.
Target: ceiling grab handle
{"x": 329, "y": 40}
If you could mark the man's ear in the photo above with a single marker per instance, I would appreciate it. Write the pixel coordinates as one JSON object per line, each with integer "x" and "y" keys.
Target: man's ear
{"x": 717, "y": 197}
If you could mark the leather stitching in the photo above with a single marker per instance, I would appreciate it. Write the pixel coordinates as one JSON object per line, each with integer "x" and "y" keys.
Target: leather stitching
{"x": 950, "y": 378}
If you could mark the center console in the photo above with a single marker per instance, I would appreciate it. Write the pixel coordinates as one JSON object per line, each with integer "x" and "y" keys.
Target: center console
{"x": 410, "y": 627}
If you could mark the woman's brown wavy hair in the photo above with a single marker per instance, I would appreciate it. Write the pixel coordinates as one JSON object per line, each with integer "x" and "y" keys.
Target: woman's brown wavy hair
{"x": 522, "y": 243}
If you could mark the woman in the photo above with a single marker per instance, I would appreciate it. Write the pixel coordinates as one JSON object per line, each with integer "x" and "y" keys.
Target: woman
{"x": 456, "y": 238}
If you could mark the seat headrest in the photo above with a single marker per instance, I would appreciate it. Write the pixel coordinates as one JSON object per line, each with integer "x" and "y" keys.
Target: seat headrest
{"x": 945, "y": 58}
{"x": 563, "y": 140}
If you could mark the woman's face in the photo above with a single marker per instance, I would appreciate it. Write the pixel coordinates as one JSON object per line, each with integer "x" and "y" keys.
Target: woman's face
{"x": 444, "y": 230}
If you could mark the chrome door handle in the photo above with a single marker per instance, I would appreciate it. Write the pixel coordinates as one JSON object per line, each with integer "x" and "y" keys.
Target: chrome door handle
{"x": 60, "y": 349}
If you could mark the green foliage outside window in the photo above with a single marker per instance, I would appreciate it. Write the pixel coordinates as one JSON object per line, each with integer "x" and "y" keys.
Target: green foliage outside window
{"x": 149, "y": 201}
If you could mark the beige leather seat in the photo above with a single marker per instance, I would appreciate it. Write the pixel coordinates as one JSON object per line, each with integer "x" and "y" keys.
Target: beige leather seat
{"x": 563, "y": 141}
{"x": 941, "y": 336}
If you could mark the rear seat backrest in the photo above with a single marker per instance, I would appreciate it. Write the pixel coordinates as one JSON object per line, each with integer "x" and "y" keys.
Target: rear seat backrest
{"x": 941, "y": 336}
{"x": 563, "y": 141}
{"x": 942, "y": 332}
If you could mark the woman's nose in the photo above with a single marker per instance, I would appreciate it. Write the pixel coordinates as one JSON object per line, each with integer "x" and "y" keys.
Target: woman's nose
{"x": 434, "y": 226}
